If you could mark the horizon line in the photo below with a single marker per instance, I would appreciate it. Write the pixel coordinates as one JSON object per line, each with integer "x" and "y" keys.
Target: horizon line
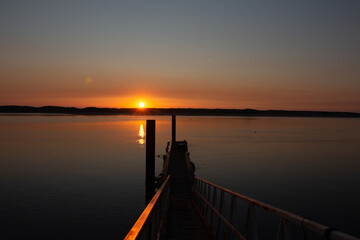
{"x": 176, "y": 108}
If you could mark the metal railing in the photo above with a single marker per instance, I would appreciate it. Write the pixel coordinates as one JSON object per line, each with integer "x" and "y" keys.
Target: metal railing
{"x": 151, "y": 223}
{"x": 220, "y": 207}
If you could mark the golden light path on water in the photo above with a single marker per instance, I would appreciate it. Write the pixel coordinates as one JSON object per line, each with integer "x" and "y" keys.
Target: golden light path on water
{"x": 141, "y": 134}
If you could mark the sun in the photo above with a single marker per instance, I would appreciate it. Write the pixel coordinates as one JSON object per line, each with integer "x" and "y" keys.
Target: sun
{"x": 141, "y": 105}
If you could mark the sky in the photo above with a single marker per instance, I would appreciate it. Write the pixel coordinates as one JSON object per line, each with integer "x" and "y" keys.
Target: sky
{"x": 291, "y": 55}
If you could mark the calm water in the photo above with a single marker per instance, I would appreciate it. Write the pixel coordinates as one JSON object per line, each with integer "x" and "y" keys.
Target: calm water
{"x": 76, "y": 177}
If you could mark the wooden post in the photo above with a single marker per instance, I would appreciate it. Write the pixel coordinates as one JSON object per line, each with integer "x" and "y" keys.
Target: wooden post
{"x": 173, "y": 128}
{"x": 150, "y": 160}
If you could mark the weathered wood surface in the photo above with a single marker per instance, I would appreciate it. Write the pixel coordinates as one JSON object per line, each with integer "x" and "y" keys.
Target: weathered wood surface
{"x": 184, "y": 222}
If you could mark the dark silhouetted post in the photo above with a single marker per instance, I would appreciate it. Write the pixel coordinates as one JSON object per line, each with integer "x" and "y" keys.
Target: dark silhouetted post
{"x": 173, "y": 128}
{"x": 150, "y": 160}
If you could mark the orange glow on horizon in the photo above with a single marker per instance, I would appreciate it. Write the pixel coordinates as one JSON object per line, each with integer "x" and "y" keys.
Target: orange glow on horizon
{"x": 245, "y": 100}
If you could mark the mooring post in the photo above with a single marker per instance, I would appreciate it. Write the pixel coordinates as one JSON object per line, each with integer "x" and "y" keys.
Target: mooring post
{"x": 173, "y": 128}
{"x": 150, "y": 160}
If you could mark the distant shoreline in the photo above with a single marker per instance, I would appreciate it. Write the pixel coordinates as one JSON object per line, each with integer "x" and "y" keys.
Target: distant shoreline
{"x": 175, "y": 111}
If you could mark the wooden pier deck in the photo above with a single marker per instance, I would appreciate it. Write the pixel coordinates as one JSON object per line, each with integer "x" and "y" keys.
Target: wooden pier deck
{"x": 184, "y": 221}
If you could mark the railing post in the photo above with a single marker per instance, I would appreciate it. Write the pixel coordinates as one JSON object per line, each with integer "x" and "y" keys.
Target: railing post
{"x": 232, "y": 215}
{"x": 214, "y": 205}
{"x": 251, "y": 231}
{"x": 201, "y": 193}
{"x": 150, "y": 160}
{"x": 233, "y": 209}
{"x": 207, "y": 197}
{"x": 283, "y": 232}
{"x": 220, "y": 211}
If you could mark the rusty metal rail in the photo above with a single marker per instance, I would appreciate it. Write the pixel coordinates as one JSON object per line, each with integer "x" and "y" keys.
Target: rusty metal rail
{"x": 222, "y": 216}
{"x": 151, "y": 223}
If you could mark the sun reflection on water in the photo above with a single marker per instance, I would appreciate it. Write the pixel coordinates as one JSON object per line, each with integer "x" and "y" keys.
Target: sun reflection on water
{"x": 141, "y": 131}
{"x": 141, "y": 134}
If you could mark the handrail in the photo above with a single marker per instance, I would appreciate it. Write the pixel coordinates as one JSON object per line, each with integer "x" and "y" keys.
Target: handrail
{"x": 152, "y": 219}
{"x": 202, "y": 195}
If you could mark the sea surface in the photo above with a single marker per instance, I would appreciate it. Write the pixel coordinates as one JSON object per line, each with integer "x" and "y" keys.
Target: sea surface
{"x": 83, "y": 177}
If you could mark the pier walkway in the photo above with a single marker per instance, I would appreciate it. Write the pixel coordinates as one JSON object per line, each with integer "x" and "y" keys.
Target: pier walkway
{"x": 184, "y": 221}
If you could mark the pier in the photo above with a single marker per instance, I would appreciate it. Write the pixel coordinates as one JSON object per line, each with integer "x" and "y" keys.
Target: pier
{"x": 183, "y": 218}
{"x": 187, "y": 207}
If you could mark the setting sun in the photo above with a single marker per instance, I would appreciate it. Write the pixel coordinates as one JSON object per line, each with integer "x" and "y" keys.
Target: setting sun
{"x": 141, "y": 104}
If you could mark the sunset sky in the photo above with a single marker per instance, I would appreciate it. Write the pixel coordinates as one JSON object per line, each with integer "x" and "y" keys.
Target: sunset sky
{"x": 294, "y": 55}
